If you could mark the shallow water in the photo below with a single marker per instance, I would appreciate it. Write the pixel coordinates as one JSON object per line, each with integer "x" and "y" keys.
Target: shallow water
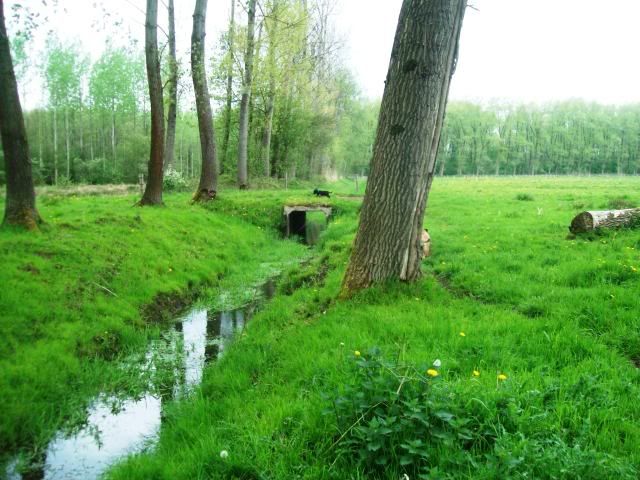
{"x": 117, "y": 427}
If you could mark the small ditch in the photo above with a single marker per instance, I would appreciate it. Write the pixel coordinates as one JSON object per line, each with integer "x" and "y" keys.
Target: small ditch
{"x": 117, "y": 427}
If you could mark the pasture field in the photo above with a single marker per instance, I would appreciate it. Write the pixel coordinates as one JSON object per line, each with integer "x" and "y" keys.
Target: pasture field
{"x": 537, "y": 336}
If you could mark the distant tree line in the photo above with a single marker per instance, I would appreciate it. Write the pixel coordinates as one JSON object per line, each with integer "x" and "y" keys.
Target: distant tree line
{"x": 570, "y": 137}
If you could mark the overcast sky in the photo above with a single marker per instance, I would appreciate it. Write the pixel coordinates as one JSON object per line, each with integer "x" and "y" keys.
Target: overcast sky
{"x": 516, "y": 50}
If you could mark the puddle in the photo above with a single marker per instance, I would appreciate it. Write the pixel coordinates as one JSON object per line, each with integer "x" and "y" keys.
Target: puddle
{"x": 118, "y": 427}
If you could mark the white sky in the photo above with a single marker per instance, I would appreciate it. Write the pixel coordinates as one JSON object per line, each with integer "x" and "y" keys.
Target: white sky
{"x": 517, "y": 50}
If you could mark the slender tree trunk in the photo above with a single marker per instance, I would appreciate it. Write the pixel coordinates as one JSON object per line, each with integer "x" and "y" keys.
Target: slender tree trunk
{"x": 243, "y": 133}
{"x": 173, "y": 92}
{"x": 227, "y": 109}
{"x": 266, "y": 133}
{"x": 209, "y": 172}
{"x": 387, "y": 244}
{"x": 55, "y": 145}
{"x": 153, "y": 191}
{"x": 20, "y": 207}
{"x": 67, "y": 141}
{"x": 113, "y": 137}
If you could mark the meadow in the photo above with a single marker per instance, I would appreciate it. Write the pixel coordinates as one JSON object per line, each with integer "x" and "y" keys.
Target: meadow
{"x": 516, "y": 355}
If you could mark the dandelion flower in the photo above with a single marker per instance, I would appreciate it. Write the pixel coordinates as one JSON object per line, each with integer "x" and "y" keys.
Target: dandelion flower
{"x": 357, "y": 353}
{"x": 476, "y": 373}
{"x": 437, "y": 363}
{"x": 224, "y": 454}
{"x": 502, "y": 377}
{"x": 462, "y": 334}
{"x": 432, "y": 373}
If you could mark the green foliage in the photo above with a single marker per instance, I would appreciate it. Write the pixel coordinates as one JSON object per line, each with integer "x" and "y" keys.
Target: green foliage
{"x": 399, "y": 417}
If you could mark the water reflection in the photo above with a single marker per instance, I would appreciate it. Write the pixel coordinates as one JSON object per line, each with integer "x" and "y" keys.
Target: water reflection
{"x": 116, "y": 428}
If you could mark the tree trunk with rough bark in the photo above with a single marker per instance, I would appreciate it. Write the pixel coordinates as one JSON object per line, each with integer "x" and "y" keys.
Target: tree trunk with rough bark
{"x": 209, "y": 172}
{"x": 587, "y": 221}
{"x": 173, "y": 92}
{"x": 243, "y": 133}
{"x": 387, "y": 244}
{"x": 153, "y": 191}
{"x": 20, "y": 208}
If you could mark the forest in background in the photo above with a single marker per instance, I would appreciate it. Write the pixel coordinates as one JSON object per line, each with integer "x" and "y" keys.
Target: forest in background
{"x": 307, "y": 118}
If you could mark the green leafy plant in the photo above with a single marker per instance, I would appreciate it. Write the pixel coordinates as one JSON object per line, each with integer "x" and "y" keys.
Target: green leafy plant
{"x": 401, "y": 417}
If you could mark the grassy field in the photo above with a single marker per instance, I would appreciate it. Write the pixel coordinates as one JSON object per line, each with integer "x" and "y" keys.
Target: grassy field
{"x": 537, "y": 334}
{"x": 557, "y": 317}
{"x": 95, "y": 284}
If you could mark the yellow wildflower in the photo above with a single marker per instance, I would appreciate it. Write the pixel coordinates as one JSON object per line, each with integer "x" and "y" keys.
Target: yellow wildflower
{"x": 432, "y": 372}
{"x": 502, "y": 377}
{"x": 476, "y": 373}
{"x": 356, "y": 353}
{"x": 462, "y": 334}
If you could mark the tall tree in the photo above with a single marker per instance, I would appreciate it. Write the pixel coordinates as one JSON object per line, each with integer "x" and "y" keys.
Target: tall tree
{"x": 20, "y": 208}
{"x": 229, "y": 92}
{"x": 243, "y": 133}
{"x": 153, "y": 191}
{"x": 172, "y": 85}
{"x": 387, "y": 244}
{"x": 209, "y": 172}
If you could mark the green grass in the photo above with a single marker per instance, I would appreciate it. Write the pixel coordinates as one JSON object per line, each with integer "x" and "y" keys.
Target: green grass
{"x": 80, "y": 293}
{"x": 559, "y": 317}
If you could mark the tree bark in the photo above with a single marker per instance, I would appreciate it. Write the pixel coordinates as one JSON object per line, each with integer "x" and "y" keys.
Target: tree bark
{"x": 153, "y": 191}
{"x": 209, "y": 173}
{"x": 587, "y": 221}
{"x": 243, "y": 134}
{"x": 173, "y": 92}
{"x": 387, "y": 244}
{"x": 227, "y": 109}
{"x": 20, "y": 208}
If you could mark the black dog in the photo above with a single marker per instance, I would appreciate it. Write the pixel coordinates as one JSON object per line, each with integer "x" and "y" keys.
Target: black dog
{"x": 321, "y": 193}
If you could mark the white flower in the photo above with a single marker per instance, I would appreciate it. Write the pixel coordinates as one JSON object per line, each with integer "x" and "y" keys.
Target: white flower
{"x": 436, "y": 364}
{"x": 342, "y": 344}
{"x": 224, "y": 454}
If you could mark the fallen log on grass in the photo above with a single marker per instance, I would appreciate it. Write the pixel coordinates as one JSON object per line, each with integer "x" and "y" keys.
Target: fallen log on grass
{"x": 588, "y": 221}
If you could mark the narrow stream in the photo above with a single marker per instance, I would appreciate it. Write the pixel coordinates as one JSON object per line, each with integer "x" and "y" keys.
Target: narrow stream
{"x": 118, "y": 427}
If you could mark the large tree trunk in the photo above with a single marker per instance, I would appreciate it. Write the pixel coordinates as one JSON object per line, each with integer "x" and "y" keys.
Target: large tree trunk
{"x": 227, "y": 108}
{"x": 153, "y": 191}
{"x": 243, "y": 133}
{"x": 587, "y": 221}
{"x": 209, "y": 172}
{"x": 387, "y": 244}
{"x": 173, "y": 92}
{"x": 20, "y": 207}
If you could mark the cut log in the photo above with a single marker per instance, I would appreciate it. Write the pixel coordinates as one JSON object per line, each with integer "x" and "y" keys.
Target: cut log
{"x": 587, "y": 221}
